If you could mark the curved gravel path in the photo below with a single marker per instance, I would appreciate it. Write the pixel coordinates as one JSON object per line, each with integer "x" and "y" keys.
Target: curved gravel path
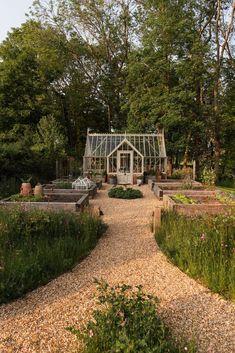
{"x": 127, "y": 253}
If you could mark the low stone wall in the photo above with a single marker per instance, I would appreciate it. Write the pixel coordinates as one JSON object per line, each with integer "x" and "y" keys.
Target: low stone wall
{"x": 195, "y": 209}
{"x": 65, "y": 202}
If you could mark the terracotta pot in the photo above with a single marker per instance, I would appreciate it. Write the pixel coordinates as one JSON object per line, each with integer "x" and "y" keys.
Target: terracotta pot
{"x": 26, "y": 189}
{"x": 38, "y": 190}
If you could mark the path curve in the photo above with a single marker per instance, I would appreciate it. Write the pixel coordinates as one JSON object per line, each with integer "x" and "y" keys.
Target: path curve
{"x": 126, "y": 253}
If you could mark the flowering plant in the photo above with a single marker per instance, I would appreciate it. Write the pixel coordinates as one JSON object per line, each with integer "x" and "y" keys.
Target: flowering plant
{"x": 208, "y": 176}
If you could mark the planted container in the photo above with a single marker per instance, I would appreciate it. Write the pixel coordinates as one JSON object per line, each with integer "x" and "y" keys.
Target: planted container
{"x": 38, "y": 190}
{"x": 26, "y": 189}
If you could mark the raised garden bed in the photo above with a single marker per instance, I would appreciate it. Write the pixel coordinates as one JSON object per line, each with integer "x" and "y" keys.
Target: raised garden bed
{"x": 52, "y": 188}
{"x": 53, "y": 201}
{"x": 197, "y": 205}
{"x": 172, "y": 187}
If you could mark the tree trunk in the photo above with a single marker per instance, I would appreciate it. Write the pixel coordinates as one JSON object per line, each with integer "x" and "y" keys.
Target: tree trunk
{"x": 217, "y": 157}
{"x": 186, "y": 153}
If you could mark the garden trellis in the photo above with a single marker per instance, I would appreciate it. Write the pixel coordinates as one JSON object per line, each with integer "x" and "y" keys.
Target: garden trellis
{"x": 125, "y": 154}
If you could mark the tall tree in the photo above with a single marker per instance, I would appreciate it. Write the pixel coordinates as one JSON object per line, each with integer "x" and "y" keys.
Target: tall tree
{"x": 176, "y": 78}
{"x": 104, "y": 29}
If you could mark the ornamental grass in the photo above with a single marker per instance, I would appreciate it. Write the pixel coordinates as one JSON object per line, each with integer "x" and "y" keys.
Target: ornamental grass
{"x": 36, "y": 246}
{"x": 203, "y": 247}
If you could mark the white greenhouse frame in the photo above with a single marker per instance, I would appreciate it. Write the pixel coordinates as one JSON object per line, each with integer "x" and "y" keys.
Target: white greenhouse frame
{"x": 101, "y": 155}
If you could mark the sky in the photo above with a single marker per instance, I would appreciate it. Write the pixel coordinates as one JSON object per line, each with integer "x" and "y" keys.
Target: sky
{"x": 12, "y": 14}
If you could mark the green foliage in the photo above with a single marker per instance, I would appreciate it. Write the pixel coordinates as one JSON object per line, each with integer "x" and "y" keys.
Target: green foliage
{"x": 208, "y": 176}
{"x": 203, "y": 247}
{"x": 36, "y": 246}
{"x": 179, "y": 198}
{"x": 9, "y": 186}
{"x": 177, "y": 174}
{"x": 121, "y": 64}
{"x": 121, "y": 193}
{"x": 49, "y": 138}
{"x": 184, "y": 173}
{"x": 127, "y": 323}
{"x": 30, "y": 198}
{"x": 63, "y": 185}
{"x": 187, "y": 185}
{"x": 227, "y": 198}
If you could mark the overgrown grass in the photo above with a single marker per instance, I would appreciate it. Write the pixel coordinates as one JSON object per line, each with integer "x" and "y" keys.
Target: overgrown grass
{"x": 127, "y": 322}
{"x": 203, "y": 247}
{"x": 37, "y": 246}
{"x": 121, "y": 193}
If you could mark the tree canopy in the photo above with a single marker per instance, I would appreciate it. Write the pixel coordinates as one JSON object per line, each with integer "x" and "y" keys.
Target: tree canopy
{"x": 122, "y": 65}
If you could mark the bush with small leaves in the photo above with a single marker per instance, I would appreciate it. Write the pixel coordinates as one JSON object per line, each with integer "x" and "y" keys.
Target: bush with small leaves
{"x": 127, "y": 323}
{"x": 121, "y": 193}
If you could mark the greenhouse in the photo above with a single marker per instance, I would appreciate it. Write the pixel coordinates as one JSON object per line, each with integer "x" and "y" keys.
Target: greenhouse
{"x": 125, "y": 155}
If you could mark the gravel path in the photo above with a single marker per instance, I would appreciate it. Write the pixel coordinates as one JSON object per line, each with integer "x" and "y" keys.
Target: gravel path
{"x": 127, "y": 253}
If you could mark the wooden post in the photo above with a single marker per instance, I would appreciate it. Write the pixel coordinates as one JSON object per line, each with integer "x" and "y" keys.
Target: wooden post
{"x": 194, "y": 170}
{"x": 156, "y": 218}
{"x": 57, "y": 169}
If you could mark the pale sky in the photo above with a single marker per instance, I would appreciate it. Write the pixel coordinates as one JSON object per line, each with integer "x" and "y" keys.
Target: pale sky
{"x": 12, "y": 14}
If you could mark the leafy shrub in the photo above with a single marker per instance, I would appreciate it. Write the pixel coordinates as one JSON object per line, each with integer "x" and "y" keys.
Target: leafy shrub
{"x": 227, "y": 180}
{"x": 9, "y": 186}
{"x": 226, "y": 198}
{"x": 203, "y": 247}
{"x": 208, "y": 176}
{"x": 127, "y": 323}
{"x": 181, "y": 173}
{"x": 36, "y": 246}
{"x": 187, "y": 185}
{"x": 121, "y": 193}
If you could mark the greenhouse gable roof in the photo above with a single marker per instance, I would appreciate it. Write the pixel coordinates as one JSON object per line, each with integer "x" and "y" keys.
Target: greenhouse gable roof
{"x": 102, "y": 145}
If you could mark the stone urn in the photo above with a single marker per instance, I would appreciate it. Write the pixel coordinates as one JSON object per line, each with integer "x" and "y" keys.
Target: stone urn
{"x": 26, "y": 189}
{"x": 38, "y": 190}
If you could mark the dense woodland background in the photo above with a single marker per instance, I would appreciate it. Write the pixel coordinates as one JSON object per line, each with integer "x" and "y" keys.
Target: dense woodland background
{"x": 118, "y": 65}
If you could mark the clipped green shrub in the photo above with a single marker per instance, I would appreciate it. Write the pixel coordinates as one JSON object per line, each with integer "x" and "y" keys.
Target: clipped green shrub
{"x": 203, "y": 247}
{"x": 36, "y": 246}
{"x": 127, "y": 323}
{"x": 121, "y": 193}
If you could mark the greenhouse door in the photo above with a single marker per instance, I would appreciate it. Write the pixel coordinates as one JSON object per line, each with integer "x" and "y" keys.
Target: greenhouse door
{"x": 125, "y": 167}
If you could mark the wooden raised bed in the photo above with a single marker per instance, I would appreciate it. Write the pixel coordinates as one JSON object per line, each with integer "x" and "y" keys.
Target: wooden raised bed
{"x": 172, "y": 187}
{"x": 51, "y": 189}
{"x": 68, "y": 202}
{"x": 208, "y": 205}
